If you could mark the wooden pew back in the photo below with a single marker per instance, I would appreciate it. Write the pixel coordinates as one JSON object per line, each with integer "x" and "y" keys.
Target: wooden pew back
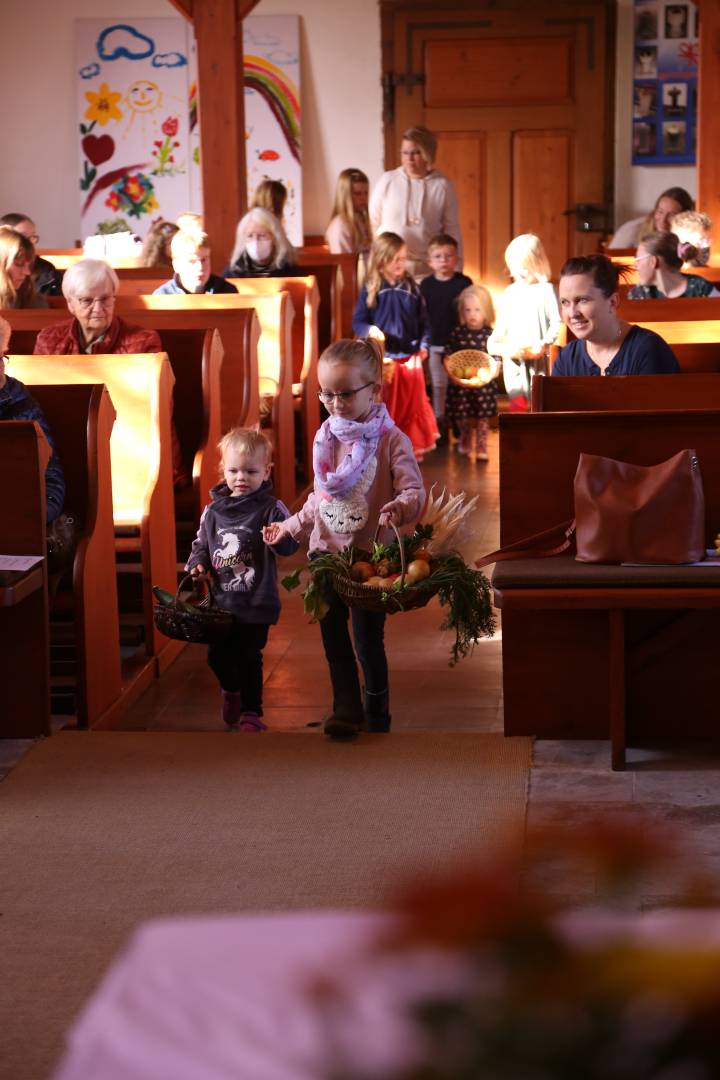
{"x": 626, "y": 392}
{"x": 343, "y": 306}
{"x": 81, "y": 418}
{"x": 24, "y": 639}
{"x": 539, "y": 455}
{"x": 140, "y": 387}
{"x": 273, "y": 313}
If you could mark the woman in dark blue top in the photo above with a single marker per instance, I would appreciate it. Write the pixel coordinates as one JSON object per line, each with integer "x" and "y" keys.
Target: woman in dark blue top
{"x": 605, "y": 344}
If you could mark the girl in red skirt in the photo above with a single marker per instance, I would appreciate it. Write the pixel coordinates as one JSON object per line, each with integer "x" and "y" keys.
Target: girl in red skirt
{"x": 391, "y": 307}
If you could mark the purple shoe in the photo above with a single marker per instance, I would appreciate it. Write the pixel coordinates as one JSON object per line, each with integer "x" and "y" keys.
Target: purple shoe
{"x": 250, "y": 721}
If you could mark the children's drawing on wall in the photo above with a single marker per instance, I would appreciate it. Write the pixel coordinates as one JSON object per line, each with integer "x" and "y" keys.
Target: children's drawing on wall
{"x": 664, "y": 98}
{"x": 137, "y": 123}
{"x": 272, "y": 110}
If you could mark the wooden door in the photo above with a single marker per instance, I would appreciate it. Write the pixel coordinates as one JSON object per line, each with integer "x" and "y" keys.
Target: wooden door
{"x": 518, "y": 94}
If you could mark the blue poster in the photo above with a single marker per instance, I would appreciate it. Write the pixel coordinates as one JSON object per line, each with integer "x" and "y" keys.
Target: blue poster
{"x": 665, "y": 62}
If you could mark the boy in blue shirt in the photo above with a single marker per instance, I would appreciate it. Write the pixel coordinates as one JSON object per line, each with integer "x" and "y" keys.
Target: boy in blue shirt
{"x": 441, "y": 290}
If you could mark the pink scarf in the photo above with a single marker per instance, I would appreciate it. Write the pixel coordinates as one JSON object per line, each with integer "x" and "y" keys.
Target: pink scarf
{"x": 363, "y": 436}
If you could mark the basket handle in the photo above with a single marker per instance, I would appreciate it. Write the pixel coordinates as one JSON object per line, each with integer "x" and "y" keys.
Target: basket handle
{"x": 401, "y": 546}
{"x": 208, "y": 600}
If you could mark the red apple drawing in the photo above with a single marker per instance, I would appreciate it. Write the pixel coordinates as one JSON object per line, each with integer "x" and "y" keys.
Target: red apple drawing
{"x": 98, "y": 148}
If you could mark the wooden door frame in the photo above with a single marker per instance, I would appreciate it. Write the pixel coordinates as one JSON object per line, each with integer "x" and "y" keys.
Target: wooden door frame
{"x": 479, "y": 14}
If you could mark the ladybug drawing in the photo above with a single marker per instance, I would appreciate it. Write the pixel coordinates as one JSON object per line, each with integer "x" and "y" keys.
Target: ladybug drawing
{"x": 269, "y": 155}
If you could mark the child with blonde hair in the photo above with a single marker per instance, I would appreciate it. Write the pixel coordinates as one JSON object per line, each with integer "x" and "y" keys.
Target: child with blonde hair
{"x": 469, "y": 407}
{"x": 242, "y": 571}
{"x": 349, "y": 227}
{"x": 528, "y": 317}
{"x": 270, "y": 195}
{"x": 365, "y": 476}
{"x": 391, "y": 309}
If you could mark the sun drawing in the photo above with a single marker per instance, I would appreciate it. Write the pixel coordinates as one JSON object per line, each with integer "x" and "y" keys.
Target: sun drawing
{"x": 142, "y": 98}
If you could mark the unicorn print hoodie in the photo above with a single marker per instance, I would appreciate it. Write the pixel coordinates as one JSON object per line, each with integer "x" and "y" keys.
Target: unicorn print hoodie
{"x": 229, "y": 543}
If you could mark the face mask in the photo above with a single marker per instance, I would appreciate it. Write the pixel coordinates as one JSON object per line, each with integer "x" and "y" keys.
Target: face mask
{"x": 260, "y": 251}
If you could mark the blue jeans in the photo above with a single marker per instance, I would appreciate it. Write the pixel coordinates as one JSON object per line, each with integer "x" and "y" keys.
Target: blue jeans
{"x": 369, "y": 634}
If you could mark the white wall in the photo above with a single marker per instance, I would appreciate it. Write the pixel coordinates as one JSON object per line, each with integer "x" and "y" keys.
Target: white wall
{"x": 636, "y": 186}
{"x": 341, "y": 102}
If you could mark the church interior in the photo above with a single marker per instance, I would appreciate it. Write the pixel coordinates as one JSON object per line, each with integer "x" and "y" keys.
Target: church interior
{"x": 419, "y": 790}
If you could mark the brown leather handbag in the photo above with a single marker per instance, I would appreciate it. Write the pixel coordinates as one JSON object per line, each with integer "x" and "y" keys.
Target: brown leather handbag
{"x": 626, "y": 514}
{"x": 639, "y": 513}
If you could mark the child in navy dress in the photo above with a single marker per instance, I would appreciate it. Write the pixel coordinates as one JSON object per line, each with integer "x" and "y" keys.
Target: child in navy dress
{"x": 391, "y": 309}
{"x": 468, "y": 407}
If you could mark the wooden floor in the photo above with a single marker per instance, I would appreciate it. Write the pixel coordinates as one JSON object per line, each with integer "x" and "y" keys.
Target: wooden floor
{"x": 664, "y": 787}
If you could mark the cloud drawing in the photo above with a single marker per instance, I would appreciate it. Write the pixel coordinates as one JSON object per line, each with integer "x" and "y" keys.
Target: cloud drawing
{"x": 121, "y": 40}
{"x": 169, "y": 59}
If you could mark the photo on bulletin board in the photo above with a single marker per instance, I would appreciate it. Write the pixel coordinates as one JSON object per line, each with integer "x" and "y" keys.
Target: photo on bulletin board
{"x": 665, "y": 62}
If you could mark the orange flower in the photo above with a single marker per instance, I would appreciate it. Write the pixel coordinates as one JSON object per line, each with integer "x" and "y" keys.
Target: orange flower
{"x": 103, "y": 105}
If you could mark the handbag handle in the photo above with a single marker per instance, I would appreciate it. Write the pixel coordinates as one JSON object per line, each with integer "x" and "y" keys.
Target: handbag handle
{"x": 539, "y": 545}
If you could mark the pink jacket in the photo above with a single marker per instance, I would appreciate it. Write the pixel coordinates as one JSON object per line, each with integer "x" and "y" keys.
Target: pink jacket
{"x": 330, "y": 525}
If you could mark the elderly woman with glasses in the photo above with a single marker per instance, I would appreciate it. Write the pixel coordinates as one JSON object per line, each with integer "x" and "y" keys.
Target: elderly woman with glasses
{"x": 90, "y": 287}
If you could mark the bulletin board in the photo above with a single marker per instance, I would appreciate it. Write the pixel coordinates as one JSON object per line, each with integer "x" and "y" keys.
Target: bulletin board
{"x": 665, "y": 63}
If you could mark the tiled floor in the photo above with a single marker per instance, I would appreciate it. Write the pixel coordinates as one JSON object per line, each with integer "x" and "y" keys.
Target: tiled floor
{"x": 663, "y": 789}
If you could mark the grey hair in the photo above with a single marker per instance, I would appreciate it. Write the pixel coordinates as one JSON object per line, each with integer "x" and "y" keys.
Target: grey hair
{"x": 86, "y": 274}
{"x": 5, "y": 332}
{"x": 283, "y": 251}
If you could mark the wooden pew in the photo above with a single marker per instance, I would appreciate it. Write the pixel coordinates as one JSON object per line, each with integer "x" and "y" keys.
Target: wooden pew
{"x": 275, "y": 315}
{"x": 711, "y": 273}
{"x": 341, "y": 306}
{"x": 140, "y": 387}
{"x": 81, "y": 419}
{"x": 690, "y": 309}
{"x": 216, "y": 377}
{"x": 587, "y": 649}
{"x": 695, "y": 341}
{"x": 305, "y": 298}
{"x": 24, "y": 632}
{"x": 626, "y": 392}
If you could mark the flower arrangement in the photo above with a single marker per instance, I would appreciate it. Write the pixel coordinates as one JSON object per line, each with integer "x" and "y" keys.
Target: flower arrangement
{"x": 132, "y": 194}
{"x": 540, "y": 992}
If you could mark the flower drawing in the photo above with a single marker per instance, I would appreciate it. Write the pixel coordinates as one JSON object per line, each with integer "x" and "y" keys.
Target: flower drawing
{"x": 163, "y": 152}
{"x": 103, "y": 105}
{"x": 133, "y": 194}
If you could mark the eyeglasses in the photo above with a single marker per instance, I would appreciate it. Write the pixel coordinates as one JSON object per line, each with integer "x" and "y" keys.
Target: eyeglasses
{"x": 639, "y": 258}
{"x": 344, "y": 395}
{"x": 86, "y": 302}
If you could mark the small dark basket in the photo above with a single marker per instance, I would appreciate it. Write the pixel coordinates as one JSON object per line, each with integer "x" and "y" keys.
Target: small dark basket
{"x": 373, "y": 598}
{"x": 204, "y": 626}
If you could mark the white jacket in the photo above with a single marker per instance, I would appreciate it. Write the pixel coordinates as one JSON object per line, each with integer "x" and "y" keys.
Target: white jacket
{"x": 416, "y": 210}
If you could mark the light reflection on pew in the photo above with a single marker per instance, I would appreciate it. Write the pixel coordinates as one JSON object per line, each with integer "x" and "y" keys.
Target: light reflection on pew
{"x": 626, "y": 393}
{"x": 24, "y": 634}
{"x": 274, "y": 358}
{"x": 216, "y": 376}
{"x": 140, "y": 387}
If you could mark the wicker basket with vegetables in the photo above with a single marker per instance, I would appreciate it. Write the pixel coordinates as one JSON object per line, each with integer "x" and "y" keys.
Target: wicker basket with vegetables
{"x": 407, "y": 573}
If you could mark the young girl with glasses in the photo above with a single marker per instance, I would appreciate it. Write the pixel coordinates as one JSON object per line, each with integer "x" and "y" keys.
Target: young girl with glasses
{"x": 392, "y": 309}
{"x": 365, "y": 475}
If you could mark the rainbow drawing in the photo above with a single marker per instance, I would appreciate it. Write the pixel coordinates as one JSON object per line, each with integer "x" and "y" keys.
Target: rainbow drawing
{"x": 280, "y": 93}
